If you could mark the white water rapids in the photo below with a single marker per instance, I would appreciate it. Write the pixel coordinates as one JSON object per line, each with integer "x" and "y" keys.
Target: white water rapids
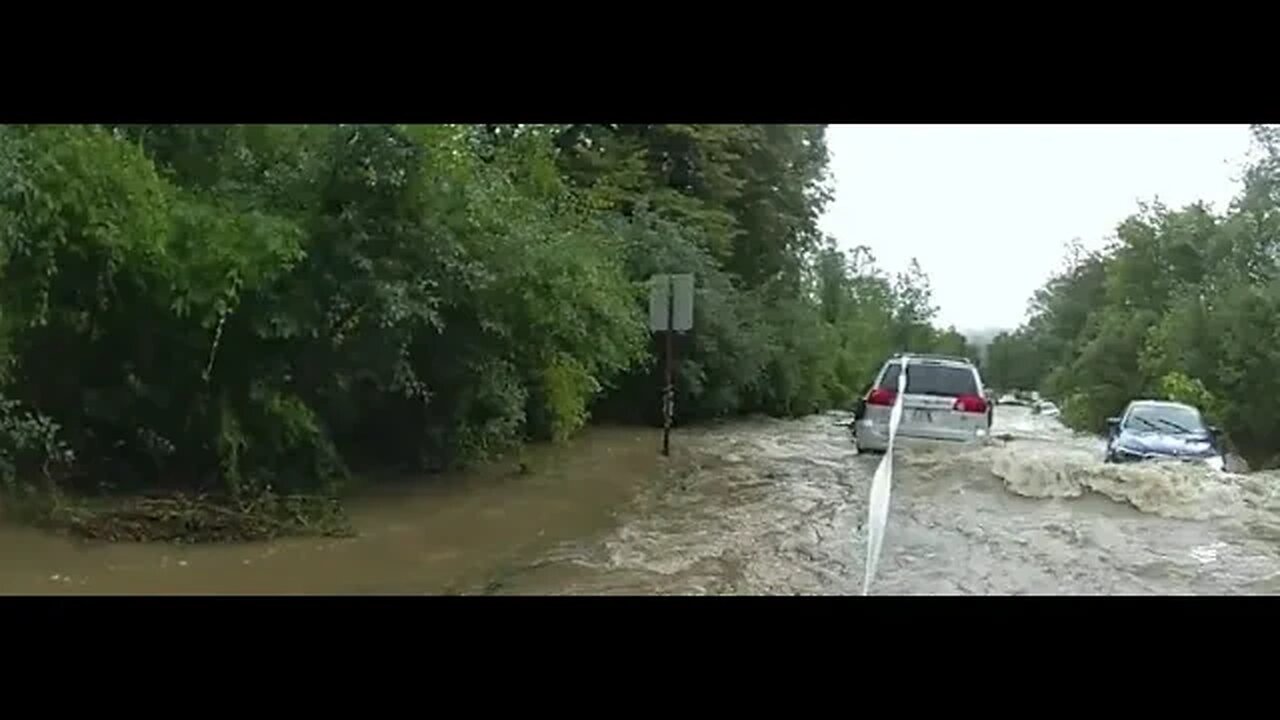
{"x": 778, "y": 507}
{"x": 754, "y": 506}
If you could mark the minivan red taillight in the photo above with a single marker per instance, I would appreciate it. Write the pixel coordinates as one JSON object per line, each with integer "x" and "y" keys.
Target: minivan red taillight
{"x": 880, "y": 396}
{"x": 971, "y": 404}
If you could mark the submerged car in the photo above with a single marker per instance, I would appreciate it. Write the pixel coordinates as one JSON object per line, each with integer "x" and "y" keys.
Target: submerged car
{"x": 944, "y": 401}
{"x": 1044, "y": 407}
{"x": 1161, "y": 430}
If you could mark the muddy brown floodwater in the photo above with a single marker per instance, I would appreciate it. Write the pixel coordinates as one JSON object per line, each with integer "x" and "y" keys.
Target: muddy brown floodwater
{"x": 746, "y": 507}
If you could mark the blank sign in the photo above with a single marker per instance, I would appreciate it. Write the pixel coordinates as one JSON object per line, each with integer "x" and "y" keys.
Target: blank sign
{"x": 659, "y": 295}
{"x": 672, "y": 293}
{"x": 682, "y": 315}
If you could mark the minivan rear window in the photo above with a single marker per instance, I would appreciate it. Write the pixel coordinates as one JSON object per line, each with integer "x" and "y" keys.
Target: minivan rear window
{"x": 932, "y": 380}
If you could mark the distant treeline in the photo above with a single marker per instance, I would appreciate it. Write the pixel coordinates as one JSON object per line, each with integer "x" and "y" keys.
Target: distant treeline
{"x": 1183, "y": 304}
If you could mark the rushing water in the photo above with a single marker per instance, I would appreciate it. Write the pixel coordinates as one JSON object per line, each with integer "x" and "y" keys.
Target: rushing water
{"x": 746, "y": 507}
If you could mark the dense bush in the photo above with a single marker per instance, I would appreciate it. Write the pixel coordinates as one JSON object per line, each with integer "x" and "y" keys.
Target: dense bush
{"x": 245, "y": 310}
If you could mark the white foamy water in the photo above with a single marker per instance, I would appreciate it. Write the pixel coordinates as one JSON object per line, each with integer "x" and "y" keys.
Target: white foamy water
{"x": 778, "y": 507}
{"x": 756, "y": 506}
{"x": 1170, "y": 489}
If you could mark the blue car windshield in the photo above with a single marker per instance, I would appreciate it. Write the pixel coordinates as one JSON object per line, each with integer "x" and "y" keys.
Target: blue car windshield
{"x": 1164, "y": 418}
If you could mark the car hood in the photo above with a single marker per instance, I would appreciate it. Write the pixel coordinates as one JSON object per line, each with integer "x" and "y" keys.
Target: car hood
{"x": 1162, "y": 444}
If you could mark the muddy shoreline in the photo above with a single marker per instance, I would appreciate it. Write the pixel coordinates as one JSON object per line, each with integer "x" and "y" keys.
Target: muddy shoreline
{"x": 755, "y": 506}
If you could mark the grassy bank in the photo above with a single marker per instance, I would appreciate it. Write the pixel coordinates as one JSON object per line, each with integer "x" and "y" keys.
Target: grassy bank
{"x": 179, "y": 517}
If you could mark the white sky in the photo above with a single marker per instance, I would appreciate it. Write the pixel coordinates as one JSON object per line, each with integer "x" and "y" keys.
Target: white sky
{"x": 988, "y": 209}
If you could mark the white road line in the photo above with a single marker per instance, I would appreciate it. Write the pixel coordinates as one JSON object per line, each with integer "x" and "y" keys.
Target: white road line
{"x": 878, "y": 505}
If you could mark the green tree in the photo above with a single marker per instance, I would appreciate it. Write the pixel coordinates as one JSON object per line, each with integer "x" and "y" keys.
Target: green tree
{"x": 1183, "y": 304}
{"x": 256, "y": 312}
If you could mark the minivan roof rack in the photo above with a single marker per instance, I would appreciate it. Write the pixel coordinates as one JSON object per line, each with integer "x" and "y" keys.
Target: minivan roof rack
{"x": 933, "y": 356}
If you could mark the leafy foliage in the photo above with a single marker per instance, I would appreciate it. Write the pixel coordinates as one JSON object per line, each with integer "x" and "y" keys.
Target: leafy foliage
{"x": 1184, "y": 304}
{"x": 252, "y": 311}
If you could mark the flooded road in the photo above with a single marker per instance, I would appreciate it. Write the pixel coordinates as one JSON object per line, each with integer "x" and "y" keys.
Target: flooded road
{"x": 432, "y": 535}
{"x": 778, "y": 507}
{"x": 747, "y": 507}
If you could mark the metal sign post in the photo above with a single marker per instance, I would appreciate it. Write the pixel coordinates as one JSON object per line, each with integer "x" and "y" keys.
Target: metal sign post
{"x": 669, "y": 387}
{"x": 670, "y": 311}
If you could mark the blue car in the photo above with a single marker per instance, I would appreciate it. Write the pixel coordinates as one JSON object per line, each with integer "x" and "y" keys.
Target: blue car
{"x": 1154, "y": 429}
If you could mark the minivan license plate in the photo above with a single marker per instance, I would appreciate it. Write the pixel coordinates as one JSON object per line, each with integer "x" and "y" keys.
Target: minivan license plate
{"x": 922, "y": 416}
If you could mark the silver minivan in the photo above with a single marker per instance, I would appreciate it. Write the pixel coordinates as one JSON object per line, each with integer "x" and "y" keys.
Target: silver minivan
{"x": 944, "y": 402}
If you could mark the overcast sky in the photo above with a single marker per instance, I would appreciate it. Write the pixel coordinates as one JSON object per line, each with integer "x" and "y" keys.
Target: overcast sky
{"x": 988, "y": 209}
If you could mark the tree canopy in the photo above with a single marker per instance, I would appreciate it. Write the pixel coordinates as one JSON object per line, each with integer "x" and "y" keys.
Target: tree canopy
{"x": 251, "y": 309}
{"x": 1182, "y": 304}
